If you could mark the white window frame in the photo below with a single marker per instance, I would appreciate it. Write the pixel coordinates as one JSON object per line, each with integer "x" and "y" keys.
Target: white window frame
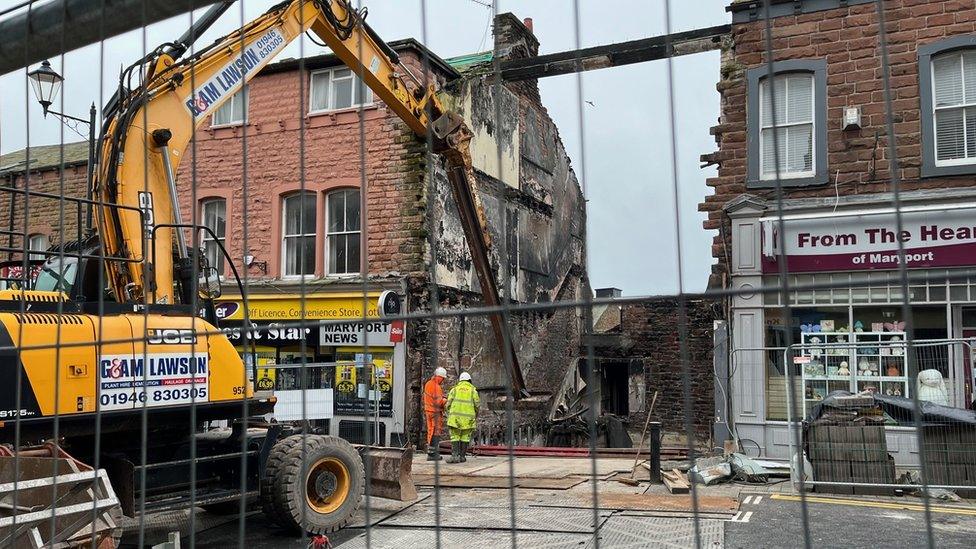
{"x": 763, "y": 85}
{"x": 329, "y": 235}
{"x": 240, "y": 95}
{"x": 222, "y": 239}
{"x": 965, "y": 160}
{"x": 31, "y": 246}
{"x": 368, "y": 97}
{"x": 285, "y": 236}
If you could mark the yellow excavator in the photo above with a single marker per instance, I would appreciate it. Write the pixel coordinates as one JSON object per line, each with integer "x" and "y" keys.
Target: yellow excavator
{"x": 123, "y": 379}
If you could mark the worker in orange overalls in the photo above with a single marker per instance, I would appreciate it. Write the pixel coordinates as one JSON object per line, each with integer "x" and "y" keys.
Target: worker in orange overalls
{"x": 434, "y": 403}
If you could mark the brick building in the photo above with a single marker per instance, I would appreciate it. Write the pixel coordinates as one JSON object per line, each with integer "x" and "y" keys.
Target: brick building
{"x": 54, "y": 170}
{"x": 637, "y": 350}
{"x": 827, "y": 142}
{"x": 278, "y": 179}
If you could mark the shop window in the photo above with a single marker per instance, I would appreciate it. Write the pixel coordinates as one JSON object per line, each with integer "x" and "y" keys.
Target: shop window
{"x": 298, "y": 236}
{"x": 788, "y": 145}
{"x": 233, "y": 111}
{"x": 364, "y": 379}
{"x": 337, "y": 89}
{"x": 38, "y": 243}
{"x": 779, "y": 335}
{"x": 343, "y": 232}
{"x": 947, "y": 93}
{"x": 214, "y": 213}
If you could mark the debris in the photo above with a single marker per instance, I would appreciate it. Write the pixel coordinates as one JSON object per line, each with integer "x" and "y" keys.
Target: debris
{"x": 913, "y": 478}
{"x": 710, "y": 470}
{"x": 745, "y": 469}
{"x": 675, "y": 481}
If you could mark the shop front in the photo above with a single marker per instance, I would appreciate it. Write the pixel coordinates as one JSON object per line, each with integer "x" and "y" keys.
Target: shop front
{"x": 343, "y": 371}
{"x": 845, "y": 327}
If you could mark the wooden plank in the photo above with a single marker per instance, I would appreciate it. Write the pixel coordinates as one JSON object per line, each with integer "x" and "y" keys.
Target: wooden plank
{"x": 675, "y": 482}
{"x": 615, "y": 55}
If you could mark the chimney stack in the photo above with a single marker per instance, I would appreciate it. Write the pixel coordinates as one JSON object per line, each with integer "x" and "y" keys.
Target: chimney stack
{"x": 528, "y": 24}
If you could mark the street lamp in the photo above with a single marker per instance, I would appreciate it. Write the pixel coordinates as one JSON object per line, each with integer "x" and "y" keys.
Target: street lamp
{"x": 46, "y": 83}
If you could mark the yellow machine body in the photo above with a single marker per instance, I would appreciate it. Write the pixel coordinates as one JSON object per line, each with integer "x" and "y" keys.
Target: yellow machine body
{"x": 139, "y": 360}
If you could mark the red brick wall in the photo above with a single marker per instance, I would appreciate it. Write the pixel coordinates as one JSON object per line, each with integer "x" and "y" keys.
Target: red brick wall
{"x": 392, "y": 156}
{"x": 44, "y": 215}
{"x": 848, "y": 39}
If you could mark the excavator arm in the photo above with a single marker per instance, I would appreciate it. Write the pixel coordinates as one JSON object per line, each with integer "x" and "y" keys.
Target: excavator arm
{"x": 148, "y": 126}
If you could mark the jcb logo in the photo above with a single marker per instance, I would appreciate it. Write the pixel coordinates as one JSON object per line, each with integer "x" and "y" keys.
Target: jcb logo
{"x": 168, "y": 336}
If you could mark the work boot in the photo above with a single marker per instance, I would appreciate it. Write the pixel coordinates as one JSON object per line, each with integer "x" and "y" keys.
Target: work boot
{"x": 434, "y": 449}
{"x": 464, "y": 452}
{"x": 455, "y": 452}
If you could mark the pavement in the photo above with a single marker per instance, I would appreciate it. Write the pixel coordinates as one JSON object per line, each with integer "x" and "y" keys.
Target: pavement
{"x": 477, "y": 508}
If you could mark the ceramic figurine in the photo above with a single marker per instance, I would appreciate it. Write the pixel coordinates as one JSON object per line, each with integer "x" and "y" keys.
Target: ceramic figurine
{"x": 875, "y": 368}
{"x": 877, "y": 326}
{"x": 931, "y": 387}
{"x": 893, "y": 371}
{"x": 888, "y": 391}
{"x": 864, "y": 368}
{"x": 897, "y": 392}
{"x": 858, "y": 326}
{"x": 827, "y": 325}
{"x": 843, "y": 370}
{"x": 815, "y": 351}
{"x": 897, "y": 350}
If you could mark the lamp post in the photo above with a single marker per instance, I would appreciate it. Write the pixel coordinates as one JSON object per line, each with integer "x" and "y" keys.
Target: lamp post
{"x": 46, "y": 83}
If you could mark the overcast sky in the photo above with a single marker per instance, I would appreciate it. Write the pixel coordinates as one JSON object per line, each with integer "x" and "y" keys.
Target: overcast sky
{"x": 628, "y": 176}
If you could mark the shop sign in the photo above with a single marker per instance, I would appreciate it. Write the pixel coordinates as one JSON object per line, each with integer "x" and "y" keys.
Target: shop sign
{"x": 346, "y": 305}
{"x": 370, "y": 333}
{"x": 270, "y": 333}
{"x": 930, "y": 238}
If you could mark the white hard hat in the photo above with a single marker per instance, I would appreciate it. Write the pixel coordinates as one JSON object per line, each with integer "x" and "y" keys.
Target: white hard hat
{"x": 464, "y": 377}
{"x": 440, "y": 372}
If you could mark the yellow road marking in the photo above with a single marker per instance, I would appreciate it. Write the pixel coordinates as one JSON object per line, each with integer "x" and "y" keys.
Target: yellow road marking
{"x": 879, "y": 504}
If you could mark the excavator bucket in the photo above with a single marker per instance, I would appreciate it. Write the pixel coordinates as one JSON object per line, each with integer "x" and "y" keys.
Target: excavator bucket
{"x": 44, "y": 484}
{"x": 389, "y": 472}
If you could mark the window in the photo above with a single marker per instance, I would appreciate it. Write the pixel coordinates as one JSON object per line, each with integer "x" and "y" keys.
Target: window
{"x": 343, "y": 226}
{"x": 38, "y": 243}
{"x": 337, "y": 89}
{"x": 215, "y": 219}
{"x": 298, "y": 240}
{"x": 234, "y": 111}
{"x": 947, "y": 92}
{"x": 795, "y": 149}
{"x": 788, "y": 147}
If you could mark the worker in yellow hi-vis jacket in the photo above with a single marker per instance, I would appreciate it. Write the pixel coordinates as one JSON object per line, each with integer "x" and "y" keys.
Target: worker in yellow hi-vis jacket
{"x": 462, "y": 412}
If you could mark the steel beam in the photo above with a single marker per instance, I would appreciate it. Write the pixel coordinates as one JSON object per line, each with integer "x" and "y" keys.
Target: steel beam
{"x": 47, "y": 30}
{"x": 615, "y": 55}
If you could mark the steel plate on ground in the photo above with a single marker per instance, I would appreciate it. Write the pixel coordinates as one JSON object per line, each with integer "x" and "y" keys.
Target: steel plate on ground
{"x": 381, "y": 509}
{"x": 398, "y": 538}
{"x": 642, "y": 502}
{"x": 538, "y": 519}
{"x": 157, "y": 526}
{"x": 625, "y": 532}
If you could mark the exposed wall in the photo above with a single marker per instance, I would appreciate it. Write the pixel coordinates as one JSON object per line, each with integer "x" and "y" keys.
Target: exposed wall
{"x": 536, "y": 218}
{"x": 847, "y": 38}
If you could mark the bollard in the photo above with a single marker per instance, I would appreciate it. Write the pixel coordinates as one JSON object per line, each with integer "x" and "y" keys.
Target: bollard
{"x": 655, "y": 451}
